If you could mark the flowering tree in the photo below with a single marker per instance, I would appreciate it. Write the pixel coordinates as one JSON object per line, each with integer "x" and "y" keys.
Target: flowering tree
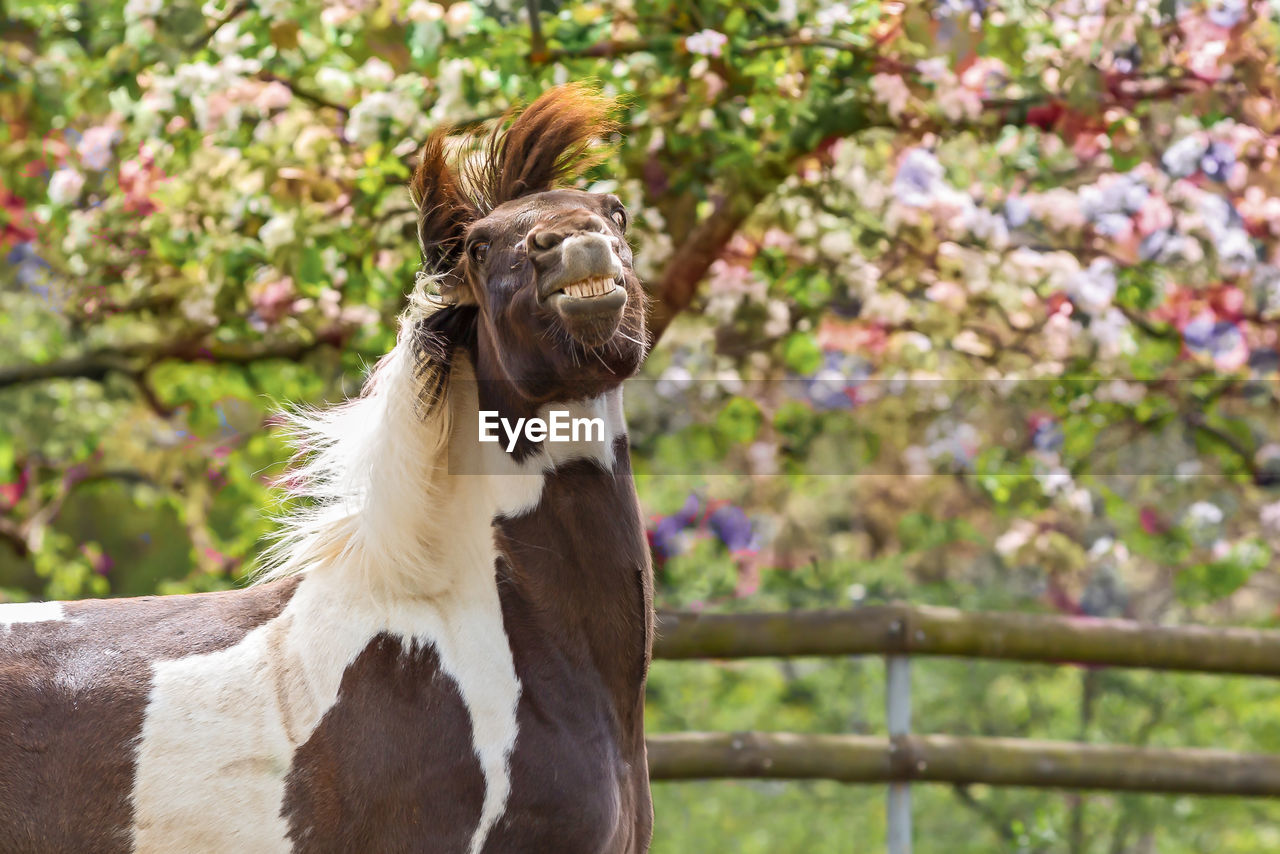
{"x": 956, "y": 301}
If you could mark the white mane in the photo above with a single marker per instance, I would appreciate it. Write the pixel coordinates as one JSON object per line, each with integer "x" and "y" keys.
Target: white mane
{"x": 366, "y": 475}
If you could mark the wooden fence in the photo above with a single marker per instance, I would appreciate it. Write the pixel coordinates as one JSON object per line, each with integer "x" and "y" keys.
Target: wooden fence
{"x": 901, "y": 757}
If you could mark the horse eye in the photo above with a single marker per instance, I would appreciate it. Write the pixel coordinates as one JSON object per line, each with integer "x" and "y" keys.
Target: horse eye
{"x": 620, "y": 217}
{"x": 479, "y": 250}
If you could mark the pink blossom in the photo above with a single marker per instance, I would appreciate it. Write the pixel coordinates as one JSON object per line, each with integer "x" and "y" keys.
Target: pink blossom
{"x": 457, "y": 19}
{"x": 217, "y": 105}
{"x": 1229, "y": 301}
{"x": 274, "y": 96}
{"x": 706, "y": 43}
{"x": 776, "y": 238}
{"x": 1059, "y": 332}
{"x": 422, "y": 10}
{"x": 138, "y": 178}
{"x": 892, "y": 91}
{"x": 734, "y": 279}
{"x": 1206, "y": 43}
{"x": 272, "y": 299}
{"x": 1269, "y": 516}
{"x": 715, "y": 85}
{"x": 985, "y": 75}
{"x": 1154, "y": 215}
{"x": 947, "y": 293}
{"x": 337, "y": 15}
{"x": 95, "y": 147}
{"x": 1259, "y": 210}
{"x": 935, "y": 70}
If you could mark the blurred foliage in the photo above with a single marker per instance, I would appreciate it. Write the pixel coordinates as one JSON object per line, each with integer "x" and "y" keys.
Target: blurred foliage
{"x": 985, "y": 315}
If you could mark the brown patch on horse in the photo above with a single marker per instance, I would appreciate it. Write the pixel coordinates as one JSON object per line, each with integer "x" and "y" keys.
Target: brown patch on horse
{"x": 577, "y": 592}
{"x": 391, "y": 767}
{"x": 73, "y": 693}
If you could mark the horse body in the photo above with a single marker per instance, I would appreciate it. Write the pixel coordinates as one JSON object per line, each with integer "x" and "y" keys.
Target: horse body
{"x": 306, "y": 716}
{"x": 448, "y": 649}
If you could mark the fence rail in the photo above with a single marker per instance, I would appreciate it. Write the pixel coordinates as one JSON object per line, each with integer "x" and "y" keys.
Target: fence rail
{"x": 899, "y": 632}
{"x": 923, "y": 630}
{"x": 961, "y": 760}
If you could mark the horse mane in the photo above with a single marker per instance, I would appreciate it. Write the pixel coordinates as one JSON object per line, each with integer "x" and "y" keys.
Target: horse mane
{"x": 361, "y": 485}
{"x": 545, "y": 146}
{"x": 459, "y": 180}
{"x": 364, "y": 484}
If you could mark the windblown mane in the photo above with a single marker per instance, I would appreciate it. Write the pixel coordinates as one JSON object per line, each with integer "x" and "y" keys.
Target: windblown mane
{"x": 365, "y": 480}
{"x": 545, "y": 146}
{"x": 362, "y": 480}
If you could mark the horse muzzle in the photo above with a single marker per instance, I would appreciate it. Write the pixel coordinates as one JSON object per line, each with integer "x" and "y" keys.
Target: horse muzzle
{"x": 580, "y": 278}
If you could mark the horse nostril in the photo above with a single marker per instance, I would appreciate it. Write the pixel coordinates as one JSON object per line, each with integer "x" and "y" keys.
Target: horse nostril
{"x": 545, "y": 239}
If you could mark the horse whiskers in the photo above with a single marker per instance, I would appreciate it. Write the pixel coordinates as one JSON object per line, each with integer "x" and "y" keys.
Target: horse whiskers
{"x": 622, "y": 334}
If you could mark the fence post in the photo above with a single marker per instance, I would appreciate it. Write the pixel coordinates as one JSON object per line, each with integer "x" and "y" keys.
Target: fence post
{"x": 898, "y": 714}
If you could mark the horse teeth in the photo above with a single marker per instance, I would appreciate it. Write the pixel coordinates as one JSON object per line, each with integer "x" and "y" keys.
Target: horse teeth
{"x": 595, "y": 287}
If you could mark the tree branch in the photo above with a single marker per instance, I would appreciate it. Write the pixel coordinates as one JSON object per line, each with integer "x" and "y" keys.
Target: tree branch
{"x": 604, "y": 49}
{"x": 234, "y": 12}
{"x": 537, "y": 43}
{"x": 998, "y": 823}
{"x": 689, "y": 263}
{"x": 303, "y": 94}
{"x": 132, "y": 361}
{"x": 25, "y": 536}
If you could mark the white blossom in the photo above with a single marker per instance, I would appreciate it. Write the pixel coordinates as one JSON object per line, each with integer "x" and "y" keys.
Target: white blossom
{"x": 1203, "y": 514}
{"x": 1055, "y": 481}
{"x": 65, "y": 186}
{"x": 1093, "y": 288}
{"x": 422, "y": 10}
{"x": 136, "y": 10}
{"x": 1183, "y": 157}
{"x": 334, "y": 82}
{"x": 374, "y": 74}
{"x": 778, "y": 319}
{"x": 1113, "y": 332}
{"x": 274, "y": 10}
{"x": 364, "y": 123}
{"x": 277, "y": 231}
{"x": 1012, "y": 540}
{"x": 919, "y": 178}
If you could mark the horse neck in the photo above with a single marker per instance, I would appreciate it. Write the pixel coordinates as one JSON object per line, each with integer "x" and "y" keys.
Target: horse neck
{"x": 571, "y": 554}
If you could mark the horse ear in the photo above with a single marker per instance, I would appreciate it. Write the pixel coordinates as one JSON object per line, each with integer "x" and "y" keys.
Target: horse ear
{"x": 551, "y": 141}
{"x": 444, "y": 212}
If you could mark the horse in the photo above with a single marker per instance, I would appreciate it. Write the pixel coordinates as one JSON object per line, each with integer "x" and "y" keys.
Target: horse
{"x": 447, "y": 647}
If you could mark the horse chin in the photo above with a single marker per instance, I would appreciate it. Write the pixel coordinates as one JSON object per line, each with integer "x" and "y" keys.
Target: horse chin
{"x": 590, "y": 321}
{"x": 599, "y": 361}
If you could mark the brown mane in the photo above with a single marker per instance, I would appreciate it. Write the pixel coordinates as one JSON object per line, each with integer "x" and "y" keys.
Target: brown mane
{"x": 542, "y": 147}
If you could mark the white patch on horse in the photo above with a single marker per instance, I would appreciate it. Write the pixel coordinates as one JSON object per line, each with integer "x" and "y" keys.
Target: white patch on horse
{"x": 471, "y": 643}
{"x": 30, "y": 612}
{"x": 221, "y": 729}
